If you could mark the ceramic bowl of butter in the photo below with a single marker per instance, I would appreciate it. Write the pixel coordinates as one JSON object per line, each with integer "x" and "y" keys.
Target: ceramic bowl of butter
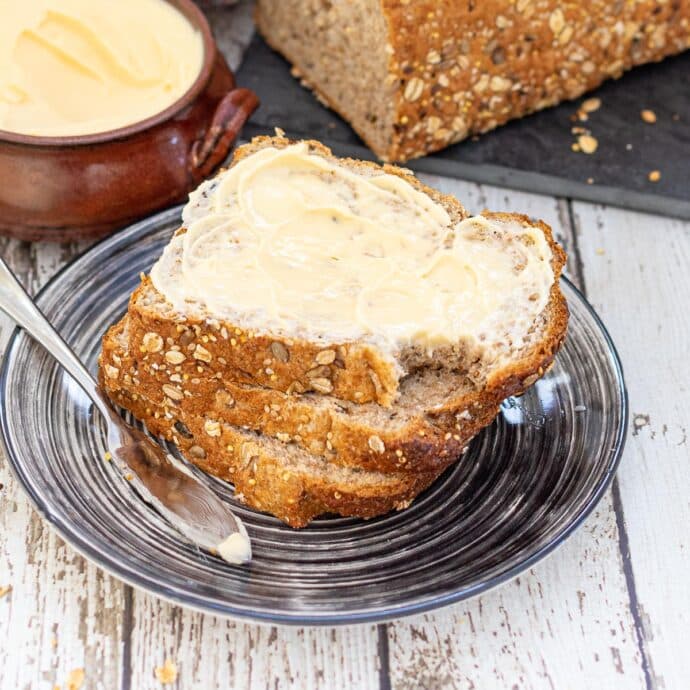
{"x": 108, "y": 113}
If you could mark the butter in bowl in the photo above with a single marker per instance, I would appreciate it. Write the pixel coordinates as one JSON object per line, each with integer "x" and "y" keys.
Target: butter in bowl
{"x": 108, "y": 111}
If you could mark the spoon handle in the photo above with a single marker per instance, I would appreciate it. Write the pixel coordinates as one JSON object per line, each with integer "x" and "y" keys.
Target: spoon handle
{"x": 16, "y": 303}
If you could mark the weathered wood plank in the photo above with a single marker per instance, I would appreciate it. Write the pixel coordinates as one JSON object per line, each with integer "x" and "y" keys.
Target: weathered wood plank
{"x": 566, "y": 622}
{"x": 62, "y": 613}
{"x": 212, "y": 652}
{"x": 636, "y": 269}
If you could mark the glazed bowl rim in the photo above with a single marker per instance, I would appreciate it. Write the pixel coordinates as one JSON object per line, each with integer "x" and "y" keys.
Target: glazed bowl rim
{"x": 196, "y": 17}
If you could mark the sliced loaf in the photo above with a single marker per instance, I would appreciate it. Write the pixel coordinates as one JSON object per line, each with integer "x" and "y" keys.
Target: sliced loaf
{"x": 412, "y": 77}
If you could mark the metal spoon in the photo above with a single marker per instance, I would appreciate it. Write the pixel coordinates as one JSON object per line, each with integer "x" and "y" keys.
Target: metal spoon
{"x": 189, "y": 506}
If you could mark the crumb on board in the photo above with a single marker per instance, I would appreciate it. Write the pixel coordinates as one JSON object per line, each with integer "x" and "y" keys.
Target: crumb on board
{"x": 654, "y": 176}
{"x": 75, "y": 679}
{"x": 587, "y": 143}
{"x": 600, "y": 251}
{"x": 648, "y": 116}
{"x": 590, "y": 180}
{"x": 6, "y": 589}
{"x": 591, "y": 105}
{"x": 167, "y": 673}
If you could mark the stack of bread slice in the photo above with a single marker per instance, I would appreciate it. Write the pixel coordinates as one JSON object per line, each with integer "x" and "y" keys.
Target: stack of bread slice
{"x": 287, "y": 342}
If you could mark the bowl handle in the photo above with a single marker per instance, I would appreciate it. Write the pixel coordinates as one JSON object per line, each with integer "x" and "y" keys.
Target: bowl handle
{"x": 211, "y": 149}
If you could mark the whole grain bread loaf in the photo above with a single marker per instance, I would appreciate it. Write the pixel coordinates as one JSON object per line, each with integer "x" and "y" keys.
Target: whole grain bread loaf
{"x": 413, "y": 76}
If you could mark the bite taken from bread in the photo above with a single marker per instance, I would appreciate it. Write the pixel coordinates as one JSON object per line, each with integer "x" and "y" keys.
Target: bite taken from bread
{"x": 329, "y": 334}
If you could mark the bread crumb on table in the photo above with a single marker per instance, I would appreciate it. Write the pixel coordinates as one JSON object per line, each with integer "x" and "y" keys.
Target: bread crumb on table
{"x": 167, "y": 673}
{"x": 75, "y": 679}
{"x": 649, "y": 116}
{"x": 5, "y": 590}
{"x": 654, "y": 176}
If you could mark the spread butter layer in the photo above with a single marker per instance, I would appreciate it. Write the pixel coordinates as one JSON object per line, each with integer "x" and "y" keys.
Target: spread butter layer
{"x": 289, "y": 241}
{"x": 71, "y": 67}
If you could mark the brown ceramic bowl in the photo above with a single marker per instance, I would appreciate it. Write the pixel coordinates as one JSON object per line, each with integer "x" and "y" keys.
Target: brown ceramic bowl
{"x": 63, "y": 188}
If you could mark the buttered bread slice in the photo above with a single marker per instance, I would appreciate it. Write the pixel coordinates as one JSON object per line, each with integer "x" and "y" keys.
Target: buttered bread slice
{"x": 298, "y": 271}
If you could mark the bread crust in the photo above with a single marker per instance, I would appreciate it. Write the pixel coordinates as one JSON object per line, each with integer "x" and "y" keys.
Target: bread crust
{"x": 462, "y": 68}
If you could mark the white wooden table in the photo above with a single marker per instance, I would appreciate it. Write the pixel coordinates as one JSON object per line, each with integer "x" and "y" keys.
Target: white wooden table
{"x": 609, "y": 609}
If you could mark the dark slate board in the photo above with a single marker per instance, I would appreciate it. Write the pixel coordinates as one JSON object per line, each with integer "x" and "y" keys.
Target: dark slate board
{"x": 534, "y": 153}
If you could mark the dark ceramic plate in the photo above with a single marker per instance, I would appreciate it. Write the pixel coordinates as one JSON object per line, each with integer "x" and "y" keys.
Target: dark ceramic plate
{"x": 526, "y": 483}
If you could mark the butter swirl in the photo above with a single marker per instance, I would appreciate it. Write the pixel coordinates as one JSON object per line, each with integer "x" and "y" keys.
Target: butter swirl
{"x": 71, "y": 67}
{"x": 289, "y": 241}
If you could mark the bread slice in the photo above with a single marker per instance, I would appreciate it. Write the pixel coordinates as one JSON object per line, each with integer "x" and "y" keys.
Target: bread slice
{"x": 271, "y": 476}
{"x": 362, "y": 366}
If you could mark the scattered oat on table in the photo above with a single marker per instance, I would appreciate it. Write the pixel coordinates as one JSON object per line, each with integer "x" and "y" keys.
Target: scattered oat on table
{"x": 5, "y": 590}
{"x": 649, "y": 116}
{"x": 654, "y": 176}
{"x": 75, "y": 679}
{"x": 167, "y": 673}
